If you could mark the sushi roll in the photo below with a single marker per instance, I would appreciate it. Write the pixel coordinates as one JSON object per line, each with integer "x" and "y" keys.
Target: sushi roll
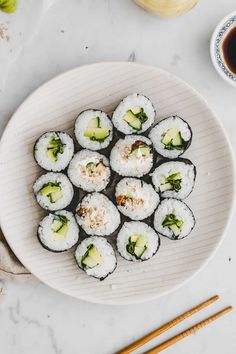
{"x": 97, "y": 215}
{"x": 134, "y": 114}
{"x": 132, "y": 156}
{"x": 53, "y": 151}
{"x": 137, "y": 241}
{"x": 96, "y": 257}
{"x": 174, "y": 179}
{"x": 89, "y": 170}
{"x": 58, "y": 232}
{"x": 53, "y": 191}
{"x": 171, "y": 137}
{"x": 173, "y": 219}
{"x": 135, "y": 198}
{"x": 93, "y": 129}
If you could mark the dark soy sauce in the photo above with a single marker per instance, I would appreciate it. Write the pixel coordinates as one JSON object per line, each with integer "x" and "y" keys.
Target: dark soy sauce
{"x": 229, "y": 50}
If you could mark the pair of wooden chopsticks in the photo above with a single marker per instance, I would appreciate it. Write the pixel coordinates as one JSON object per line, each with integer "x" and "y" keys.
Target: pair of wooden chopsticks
{"x": 174, "y": 322}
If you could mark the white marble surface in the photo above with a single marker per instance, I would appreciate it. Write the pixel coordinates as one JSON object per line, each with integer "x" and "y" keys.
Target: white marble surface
{"x": 48, "y": 37}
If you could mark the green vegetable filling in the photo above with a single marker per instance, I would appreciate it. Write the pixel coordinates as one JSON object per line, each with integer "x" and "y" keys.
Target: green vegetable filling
{"x": 60, "y": 225}
{"x": 54, "y": 148}
{"x": 91, "y": 258}
{"x": 90, "y": 165}
{"x": 135, "y": 118}
{"x": 172, "y": 182}
{"x": 137, "y": 246}
{"x": 172, "y": 139}
{"x": 8, "y": 5}
{"x": 52, "y": 190}
{"x": 173, "y": 224}
{"x": 94, "y": 131}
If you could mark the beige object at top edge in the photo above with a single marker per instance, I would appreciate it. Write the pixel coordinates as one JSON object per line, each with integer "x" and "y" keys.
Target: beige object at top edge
{"x": 167, "y": 8}
{"x": 103, "y": 85}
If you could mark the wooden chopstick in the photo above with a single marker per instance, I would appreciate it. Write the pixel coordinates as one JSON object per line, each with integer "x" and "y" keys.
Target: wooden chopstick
{"x": 138, "y": 343}
{"x": 188, "y": 331}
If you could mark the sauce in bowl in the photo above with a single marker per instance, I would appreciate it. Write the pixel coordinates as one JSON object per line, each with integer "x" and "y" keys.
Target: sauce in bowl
{"x": 229, "y": 50}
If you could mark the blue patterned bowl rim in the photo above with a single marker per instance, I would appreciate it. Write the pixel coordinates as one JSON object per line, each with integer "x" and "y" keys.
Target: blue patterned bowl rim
{"x": 216, "y": 53}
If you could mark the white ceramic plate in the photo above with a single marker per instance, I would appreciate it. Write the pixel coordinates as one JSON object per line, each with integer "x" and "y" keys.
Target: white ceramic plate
{"x": 54, "y": 106}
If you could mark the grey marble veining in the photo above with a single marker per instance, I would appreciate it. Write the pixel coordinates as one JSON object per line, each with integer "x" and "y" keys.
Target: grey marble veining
{"x": 48, "y": 37}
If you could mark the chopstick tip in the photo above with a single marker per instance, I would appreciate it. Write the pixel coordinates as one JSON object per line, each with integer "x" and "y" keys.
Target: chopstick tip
{"x": 216, "y": 297}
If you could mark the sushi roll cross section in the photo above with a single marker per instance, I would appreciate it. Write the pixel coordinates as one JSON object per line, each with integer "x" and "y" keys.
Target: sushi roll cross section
{"x": 174, "y": 179}
{"x": 136, "y": 198}
{"x": 89, "y": 170}
{"x": 132, "y": 156}
{"x": 97, "y": 215}
{"x": 93, "y": 129}
{"x": 58, "y": 232}
{"x": 134, "y": 114}
{"x": 171, "y": 137}
{"x": 53, "y": 191}
{"x": 53, "y": 151}
{"x": 137, "y": 241}
{"x": 174, "y": 219}
{"x": 96, "y": 257}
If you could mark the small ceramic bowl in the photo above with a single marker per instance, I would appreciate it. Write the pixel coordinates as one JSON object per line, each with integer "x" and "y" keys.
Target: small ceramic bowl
{"x": 220, "y": 32}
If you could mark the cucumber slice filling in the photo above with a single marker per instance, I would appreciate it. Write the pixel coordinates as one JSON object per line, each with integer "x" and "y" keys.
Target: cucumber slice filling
{"x": 91, "y": 258}
{"x": 174, "y": 224}
{"x": 137, "y": 246}
{"x": 60, "y": 225}
{"x": 94, "y": 123}
{"x": 135, "y": 118}
{"x": 90, "y": 165}
{"x": 172, "y": 182}
{"x": 54, "y": 148}
{"x": 172, "y": 139}
{"x": 52, "y": 190}
{"x": 95, "y": 132}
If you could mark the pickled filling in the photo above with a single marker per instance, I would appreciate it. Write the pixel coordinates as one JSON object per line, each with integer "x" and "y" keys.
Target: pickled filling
{"x": 140, "y": 149}
{"x": 94, "y": 169}
{"x": 128, "y": 200}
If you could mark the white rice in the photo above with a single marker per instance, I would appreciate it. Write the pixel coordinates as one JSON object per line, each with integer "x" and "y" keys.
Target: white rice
{"x": 90, "y": 180}
{"x": 181, "y": 212}
{"x": 129, "y": 103}
{"x": 97, "y": 215}
{"x": 142, "y": 199}
{"x": 166, "y": 169}
{"x": 55, "y": 241}
{"x": 106, "y": 251}
{"x": 66, "y": 189}
{"x": 63, "y": 159}
{"x": 161, "y": 128}
{"x": 137, "y": 228}
{"x": 81, "y": 125}
{"x": 130, "y": 165}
